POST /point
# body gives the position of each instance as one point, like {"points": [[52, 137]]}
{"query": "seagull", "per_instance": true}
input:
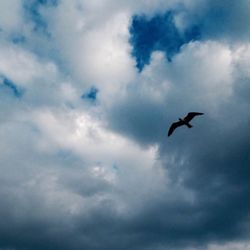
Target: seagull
{"points": [[184, 121]]}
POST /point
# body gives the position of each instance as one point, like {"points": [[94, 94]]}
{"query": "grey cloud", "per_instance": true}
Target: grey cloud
{"points": [[211, 160], [218, 19]]}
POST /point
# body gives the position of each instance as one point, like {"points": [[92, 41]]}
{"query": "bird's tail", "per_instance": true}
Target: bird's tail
{"points": [[189, 125]]}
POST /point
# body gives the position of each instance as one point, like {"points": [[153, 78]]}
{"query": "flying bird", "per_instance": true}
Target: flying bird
{"points": [[184, 121]]}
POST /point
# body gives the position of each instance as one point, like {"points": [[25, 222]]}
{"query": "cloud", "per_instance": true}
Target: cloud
{"points": [[11, 15], [149, 107], [206, 167], [62, 173], [102, 174], [220, 20]]}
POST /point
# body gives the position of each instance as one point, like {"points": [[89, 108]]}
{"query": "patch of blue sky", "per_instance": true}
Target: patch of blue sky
{"points": [[18, 38], [48, 2], [158, 33], [7, 84], [32, 9], [91, 94]]}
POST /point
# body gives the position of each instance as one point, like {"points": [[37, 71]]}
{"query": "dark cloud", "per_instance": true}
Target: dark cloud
{"points": [[219, 19], [210, 160], [227, 19], [140, 119], [213, 164], [216, 170]]}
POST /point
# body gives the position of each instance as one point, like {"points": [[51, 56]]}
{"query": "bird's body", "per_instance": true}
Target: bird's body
{"points": [[184, 121]]}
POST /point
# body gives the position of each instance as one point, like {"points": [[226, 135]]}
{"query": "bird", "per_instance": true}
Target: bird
{"points": [[184, 121]]}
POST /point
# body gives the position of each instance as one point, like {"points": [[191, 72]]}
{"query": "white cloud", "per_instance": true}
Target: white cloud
{"points": [[206, 73], [96, 51], [22, 66]]}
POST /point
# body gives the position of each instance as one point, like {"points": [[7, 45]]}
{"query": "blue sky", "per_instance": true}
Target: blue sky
{"points": [[88, 90], [158, 33]]}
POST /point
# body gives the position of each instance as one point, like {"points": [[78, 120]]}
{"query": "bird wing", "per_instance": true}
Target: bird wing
{"points": [[191, 115], [174, 126]]}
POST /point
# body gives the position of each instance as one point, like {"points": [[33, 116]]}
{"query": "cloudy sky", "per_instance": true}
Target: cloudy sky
{"points": [[88, 90]]}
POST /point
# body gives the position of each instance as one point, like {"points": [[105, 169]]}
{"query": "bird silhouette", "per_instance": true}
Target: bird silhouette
{"points": [[184, 121]]}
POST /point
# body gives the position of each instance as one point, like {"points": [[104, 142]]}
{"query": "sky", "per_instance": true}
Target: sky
{"points": [[88, 90]]}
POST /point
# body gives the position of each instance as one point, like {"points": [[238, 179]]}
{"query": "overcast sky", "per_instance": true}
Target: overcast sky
{"points": [[88, 90]]}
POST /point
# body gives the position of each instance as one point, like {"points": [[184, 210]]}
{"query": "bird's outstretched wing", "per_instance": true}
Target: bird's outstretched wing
{"points": [[174, 126], [191, 115]]}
